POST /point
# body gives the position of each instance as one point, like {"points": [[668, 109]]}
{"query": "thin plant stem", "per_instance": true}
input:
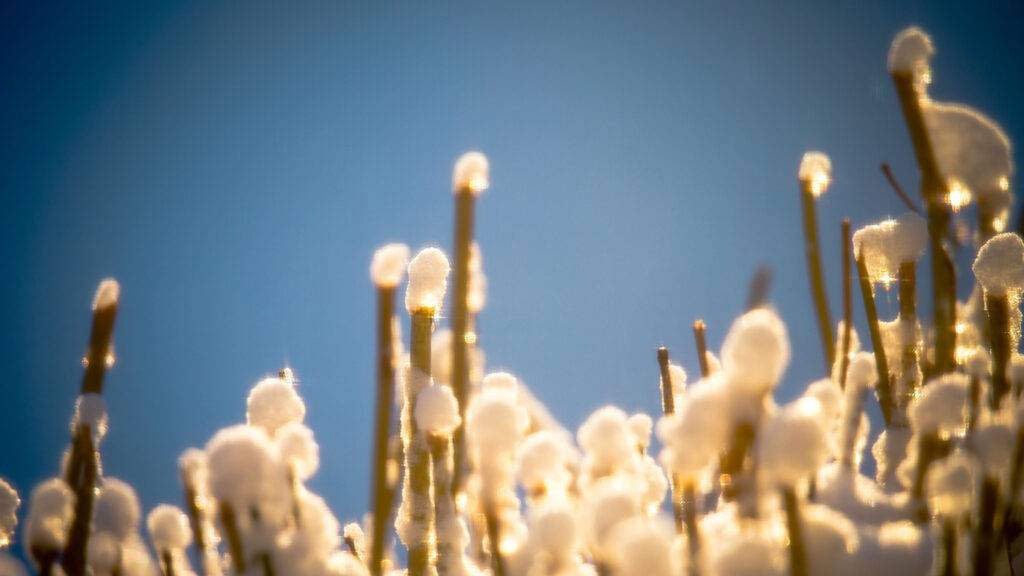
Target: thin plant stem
{"points": [[230, 525], [985, 528], [45, 558], [797, 549], [445, 514], [812, 251], [692, 530], [417, 453], [465, 201], [381, 495], [494, 536], [908, 317], [884, 386], [846, 456], [700, 338], [168, 563], [99, 347], [947, 549], [195, 519], [933, 190], [668, 406], [73, 558], [844, 353], [760, 288], [998, 308], [899, 189], [734, 484], [930, 449]]}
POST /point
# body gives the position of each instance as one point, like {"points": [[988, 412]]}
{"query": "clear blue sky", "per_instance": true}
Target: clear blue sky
{"points": [[234, 165]]}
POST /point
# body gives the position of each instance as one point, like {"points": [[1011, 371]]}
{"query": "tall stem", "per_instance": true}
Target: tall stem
{"points": [[998, 308], [73, 558], [380, 489], [884, 386], [464, 211], [930, 449], [797, 549], [983, 541], [700, 338], [167, 560], [417, 454], [947, 549], [692, 530], [446, 517], [844, 354], [933, 190], [230, 525], [814, 274], [908, 320], [668, 406], [195, 520]]}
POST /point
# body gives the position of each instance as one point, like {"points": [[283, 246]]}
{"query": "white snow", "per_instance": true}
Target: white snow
{"points": [[756, 350], [428, 280], [999, 266], [107, 294], [437, 410], [9, 503], [272, 403], [941, 408], [388, 265], [91, 409], [298, 449], [471, 173], [117, 509], [910, 51], [168, 528], [816, 168]]}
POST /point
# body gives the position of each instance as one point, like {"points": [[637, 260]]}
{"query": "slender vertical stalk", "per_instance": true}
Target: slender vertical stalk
{"points": [[195, 520], [947, 549], [73, 558], [445, 515], [933, 190], [844, 358], [381, 495], [227, 521], [699, 337], [45, 558], [760, 288], [983, 542], [494, 536], [465, 201], [797, 549], [692, 530], [930, 449], [998, 308], [167, 562], [908, 318], [814, 274], [417, 454], [668, 406], [733, 481], [884, 386], [99, 347]]}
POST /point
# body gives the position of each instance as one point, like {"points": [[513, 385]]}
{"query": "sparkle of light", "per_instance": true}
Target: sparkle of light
{"points": [[998, 224], [819, 183], [958, 196], [478, 183], [1004, 184]]}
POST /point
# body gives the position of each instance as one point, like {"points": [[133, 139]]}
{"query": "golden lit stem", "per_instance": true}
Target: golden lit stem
{"points": [[167, 560], [195, 519], [844, 354], [797, 549], [668, 406], [73, 558], [700, 338], [417, 454], [983, 542], [230, 525], [934, 191], [884, 386], [444, 504], [464, 211], [692, 529], [930, 449], [908, 317], [760, 288], [998, 308], [947, 561], [813, 253], [381, 496], [99, 348], [494, 537]]}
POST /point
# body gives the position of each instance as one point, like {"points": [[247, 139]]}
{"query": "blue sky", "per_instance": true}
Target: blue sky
{"points": [[234, 165]]}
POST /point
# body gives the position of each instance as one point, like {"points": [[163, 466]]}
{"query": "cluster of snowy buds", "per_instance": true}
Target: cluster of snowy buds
{"points": [[478, 478]]}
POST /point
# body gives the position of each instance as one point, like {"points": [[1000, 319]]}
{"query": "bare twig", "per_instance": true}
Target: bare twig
{"points": [[899, 189]]}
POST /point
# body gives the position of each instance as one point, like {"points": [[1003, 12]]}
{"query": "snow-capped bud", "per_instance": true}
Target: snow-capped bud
{"points": [[830, 539], [828, 395], [272, 403], [816, 171], [950, 485], [298, 449], [886, 245], [501, 381], [169, 528], [494, 422], [107, 294], [605, 505], [640, 547], [910, 52], [977, 362], [117, 509], [11, 566], [641, 426], [471, 173], [862, 371], [999, 266], [541, 461], [437, 410], [9, 503], [428, 280], [792, 444], [941, 408], [972, 153], [244, 468], [50, 511], [756, 350], [677, 375], [91, 409], [745, 553], [698, 431], [388, 265], [606, 438], [993, 444], [553, 527], [103, 554]]}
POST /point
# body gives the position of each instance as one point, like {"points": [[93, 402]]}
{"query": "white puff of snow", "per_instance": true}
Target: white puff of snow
{"points": [[117, 509], [971, 150], [677, 376], [437, 410], [471, 174], [993, 443], [910, 51], [169, 528], [608, 502], [320, 530], [606, 438], [103, 553], [792, 444], [640, 547], [476, 296], [245, 469], [441, 356], [756, 350], [977, 362], [50, 510], [192, 465], [830, 538], [862, 371], [11, 566], [816, 169], [894, 548], [9, 503], [886, 245], [388, 265], [746, 553], [272, 403], [298, 449], [641, 426], [553, 527], [950, 486], [494, 422], [428, 280], [344, 563], [829, 396], [501, 381], [941, 408], [91, 409], [999, 266], [697, 431], [107, 294], [135, 560], [541, 461]]}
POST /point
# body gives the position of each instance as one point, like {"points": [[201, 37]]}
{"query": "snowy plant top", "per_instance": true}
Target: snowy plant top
{"points": [[9, 503], [756, 350], [501, 381], [886, 245], [168, 528], [244, 469], [606, 438], [941, 408], [697, 431], [107, 294], [388, 265], [117, 509], [541, 461], [91, 410], [641, 426], [428, 280], [971, 150], [829, 396], [950, 484], [50, 509], [862, 371], [993, 443], [495, 423], [816, 169], [677, 376], [192, 464], [639, 547], [554, 528], [793, 444], [272, 403], [471, 173], [910, 52], [437, 410], [298, 449], [999, 266]]}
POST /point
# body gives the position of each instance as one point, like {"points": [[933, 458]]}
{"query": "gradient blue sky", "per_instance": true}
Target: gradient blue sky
{"points": [[234, 165]]}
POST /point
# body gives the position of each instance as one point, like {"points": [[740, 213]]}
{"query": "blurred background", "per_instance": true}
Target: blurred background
{"points": [[234, 165]]}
